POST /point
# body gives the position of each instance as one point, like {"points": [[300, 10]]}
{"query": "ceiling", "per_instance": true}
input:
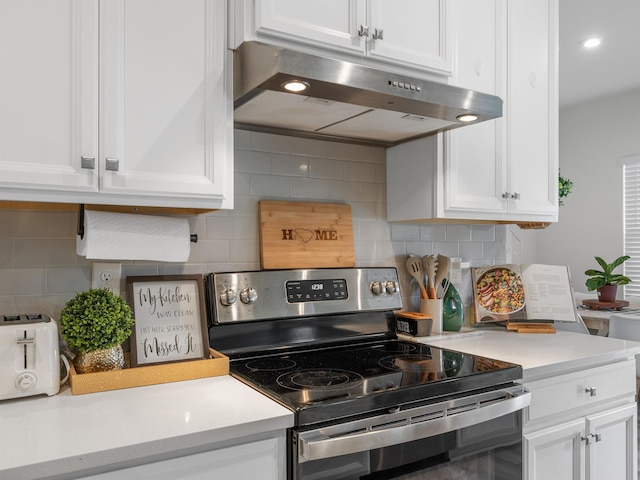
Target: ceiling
{"points": [[612, 67]]}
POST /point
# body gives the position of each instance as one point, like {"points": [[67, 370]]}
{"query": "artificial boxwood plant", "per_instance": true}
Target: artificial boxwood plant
{"points": [[94, 320]]}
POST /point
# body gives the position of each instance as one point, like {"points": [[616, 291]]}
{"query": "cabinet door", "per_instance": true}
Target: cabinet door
{"points": [[532, 107], [411, 32], [165, 121], [263, 459], [611, 453], [332, 23], [555, 452], [474, 164], [48, 97]]}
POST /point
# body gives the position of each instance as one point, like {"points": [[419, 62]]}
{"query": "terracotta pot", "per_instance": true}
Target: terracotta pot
{"points": [[607, 293]]}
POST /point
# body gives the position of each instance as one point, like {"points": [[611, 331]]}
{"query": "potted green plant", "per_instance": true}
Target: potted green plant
{"points": [[95, 323], [605, 281], [564, 188]]}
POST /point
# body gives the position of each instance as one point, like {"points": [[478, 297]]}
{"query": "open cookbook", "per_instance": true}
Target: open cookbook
{"points": [[523, 293]]}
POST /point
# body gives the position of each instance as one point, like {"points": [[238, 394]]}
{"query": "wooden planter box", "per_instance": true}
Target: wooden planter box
{"points": [[215, 366]]}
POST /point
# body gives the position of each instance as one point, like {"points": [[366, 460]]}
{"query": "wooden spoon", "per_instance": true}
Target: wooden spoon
{"points": [[444, 264], [430, 266], [414, 267]]}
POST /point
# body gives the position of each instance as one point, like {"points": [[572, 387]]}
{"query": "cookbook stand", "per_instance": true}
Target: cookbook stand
{"points": [[531, 327]]}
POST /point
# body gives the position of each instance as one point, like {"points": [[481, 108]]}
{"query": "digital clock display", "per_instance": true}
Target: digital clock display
{"points": [[299, 291]]}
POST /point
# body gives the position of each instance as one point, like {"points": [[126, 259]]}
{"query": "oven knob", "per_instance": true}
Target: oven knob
{"points": [[248, 295], [228, 297], [377, 288], [391, 287]]}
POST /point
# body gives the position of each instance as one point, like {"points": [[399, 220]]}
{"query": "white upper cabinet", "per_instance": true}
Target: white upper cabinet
{"points": [[118, 102], [504, 169], [48, 95], [411, 35]]}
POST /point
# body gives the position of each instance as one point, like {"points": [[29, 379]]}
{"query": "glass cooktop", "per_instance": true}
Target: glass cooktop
{"points": [[352, 379]]}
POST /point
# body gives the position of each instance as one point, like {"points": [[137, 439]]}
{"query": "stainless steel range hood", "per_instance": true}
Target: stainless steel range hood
{"points": [[346, 101]]}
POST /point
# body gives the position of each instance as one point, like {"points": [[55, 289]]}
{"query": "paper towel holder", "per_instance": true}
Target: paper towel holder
{"points": [[193, 237]]}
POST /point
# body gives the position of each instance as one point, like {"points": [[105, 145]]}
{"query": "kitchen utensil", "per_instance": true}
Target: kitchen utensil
{"points": [[430, 266], [414, 267], [444, 265]]}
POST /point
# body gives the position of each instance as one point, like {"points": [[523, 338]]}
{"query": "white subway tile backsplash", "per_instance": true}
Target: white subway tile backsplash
{"points": [[289, 165], [264, 142], [310, 188], [68, 279], [7, 254], [8, 305], [360, 172], [246, 250], [270, 185], [470, 249], [433, 233], [39, 270], [242, 140], [23, 281], [407, 232], [483, 233], [343, 191], [326, 168], [458, 233], [30, 252]]}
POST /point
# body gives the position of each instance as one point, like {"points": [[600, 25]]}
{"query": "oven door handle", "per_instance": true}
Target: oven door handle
{"points": [[315, 445]]}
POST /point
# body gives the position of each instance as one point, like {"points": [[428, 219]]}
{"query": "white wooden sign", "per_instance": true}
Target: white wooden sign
{"points": [[170, 322]]}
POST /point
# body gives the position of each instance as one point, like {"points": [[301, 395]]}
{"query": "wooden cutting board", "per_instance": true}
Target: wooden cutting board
{"points": [[305, 235]]}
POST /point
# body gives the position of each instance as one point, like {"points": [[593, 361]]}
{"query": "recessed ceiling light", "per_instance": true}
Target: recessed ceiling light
{"points": [[591, 42]]}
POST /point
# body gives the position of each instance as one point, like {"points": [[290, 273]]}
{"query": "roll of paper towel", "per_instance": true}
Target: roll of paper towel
{"points": [[124, 236]]}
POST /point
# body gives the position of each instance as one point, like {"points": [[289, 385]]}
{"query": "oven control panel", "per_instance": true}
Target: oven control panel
{"points": [[271, 294]]}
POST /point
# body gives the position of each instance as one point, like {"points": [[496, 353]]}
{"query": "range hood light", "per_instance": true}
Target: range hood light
{"points": [[467, 117], [295, 86]]}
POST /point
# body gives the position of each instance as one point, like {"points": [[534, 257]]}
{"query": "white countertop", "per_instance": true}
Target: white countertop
{"points": [[66, 433], [71, 433], [541, 355]]}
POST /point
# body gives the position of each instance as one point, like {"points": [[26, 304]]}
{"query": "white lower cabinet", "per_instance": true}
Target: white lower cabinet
{"points": [[583, 426], [263, 459]]}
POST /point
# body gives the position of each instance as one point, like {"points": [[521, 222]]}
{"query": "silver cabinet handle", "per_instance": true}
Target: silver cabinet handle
{"points": [[512, 196], [591, 391], [112, 164], [363, 31], [88, 162], [377, 34], [596, 437]]}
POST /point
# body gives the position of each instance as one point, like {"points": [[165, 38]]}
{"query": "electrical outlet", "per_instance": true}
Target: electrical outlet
{"points": [[106, 275]]}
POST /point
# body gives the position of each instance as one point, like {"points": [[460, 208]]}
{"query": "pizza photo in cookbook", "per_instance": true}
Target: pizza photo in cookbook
{"points": [[523, 293]]}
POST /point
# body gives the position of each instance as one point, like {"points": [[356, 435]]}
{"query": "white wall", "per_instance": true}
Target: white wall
{"points": [[593, 137], [40, 271]]}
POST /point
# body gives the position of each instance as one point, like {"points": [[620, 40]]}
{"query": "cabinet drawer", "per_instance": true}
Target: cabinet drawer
{"points": [[565, 393]]}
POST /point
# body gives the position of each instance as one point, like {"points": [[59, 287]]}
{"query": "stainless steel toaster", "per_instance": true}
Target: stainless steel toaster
{"points": [[29, 356]]}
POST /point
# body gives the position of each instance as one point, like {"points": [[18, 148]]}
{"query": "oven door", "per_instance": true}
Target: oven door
{"points": [[472, 437]]}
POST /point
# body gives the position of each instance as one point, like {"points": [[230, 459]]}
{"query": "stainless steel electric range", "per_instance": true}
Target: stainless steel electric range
{"points": [[366, 404]]}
